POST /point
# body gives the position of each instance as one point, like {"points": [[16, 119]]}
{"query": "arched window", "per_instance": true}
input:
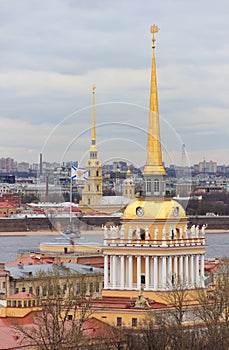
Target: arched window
{"points": [[97, 173]]}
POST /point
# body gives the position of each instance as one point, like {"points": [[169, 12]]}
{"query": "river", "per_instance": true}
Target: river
{"points": [[217, 244]]}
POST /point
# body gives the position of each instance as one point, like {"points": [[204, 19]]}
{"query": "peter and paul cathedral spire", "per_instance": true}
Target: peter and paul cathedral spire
{"points": [[93, 147], [92, 191], [154, 170]]}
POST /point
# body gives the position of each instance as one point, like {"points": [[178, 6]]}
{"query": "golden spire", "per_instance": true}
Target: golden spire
{"points": [[154, 155], [93, 134], [93, 147]]}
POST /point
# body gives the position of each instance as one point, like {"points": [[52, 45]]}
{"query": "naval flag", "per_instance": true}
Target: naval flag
{"points": [[79, 174]]}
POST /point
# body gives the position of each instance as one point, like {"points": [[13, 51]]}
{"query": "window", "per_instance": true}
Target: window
{"points": [[97, 188], [77, 287], [69, 317], [91, 288], [156, 185], [14, 303], [58, 289], [3, 285], [88, 187], [23, 289], [119, 321], [19, 304], [97, 287], [9, 303], [97, 173], [30, 290], [37, 291], [148, 185], [25, 303], [134, 322], [16, 290], [51, 290], [44, 292], [88, 201], [84, 288], [142, 279]]}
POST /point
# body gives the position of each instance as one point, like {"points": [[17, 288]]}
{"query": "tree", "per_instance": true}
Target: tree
{"points": [[64, 309], [213, 310]]}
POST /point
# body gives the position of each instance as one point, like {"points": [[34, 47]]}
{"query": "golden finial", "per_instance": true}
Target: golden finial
{"points": [[93, 89], [154, 29]]}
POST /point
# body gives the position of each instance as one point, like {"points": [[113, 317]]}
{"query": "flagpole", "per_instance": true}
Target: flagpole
{"points": [[71, 200]]}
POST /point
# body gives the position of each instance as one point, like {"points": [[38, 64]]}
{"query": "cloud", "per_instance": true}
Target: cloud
{"points": [[53, 51]]}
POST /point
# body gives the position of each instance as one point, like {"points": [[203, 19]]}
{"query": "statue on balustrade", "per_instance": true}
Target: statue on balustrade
{"points": [[147, 237], [130, 233]]}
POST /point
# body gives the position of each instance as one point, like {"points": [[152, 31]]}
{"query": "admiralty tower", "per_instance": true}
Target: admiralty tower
{"points": [[153, 249]]}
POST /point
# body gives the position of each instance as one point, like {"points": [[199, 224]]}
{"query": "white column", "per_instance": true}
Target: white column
{"points": [[175, 268], [111, 271], [122, 272], [192, 271], [138, 272], [169, 279], [114, 272], [155, 272], [186, 272], [163, 272], [197, 271], [105, 271], [181, 269], [130, 273], [202, 270], [147, 272], [151, 271]]}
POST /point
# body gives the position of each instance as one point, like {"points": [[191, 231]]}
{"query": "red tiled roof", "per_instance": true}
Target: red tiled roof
{"points": [[7, 205], [22, 295], [122, 303], [12, 339], [35, 260]]}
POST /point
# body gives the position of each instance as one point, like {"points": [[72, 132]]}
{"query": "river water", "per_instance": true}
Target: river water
{"points": [[217, 244]]}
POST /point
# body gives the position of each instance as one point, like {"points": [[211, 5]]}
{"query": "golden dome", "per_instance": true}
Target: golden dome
{"points": [[128, 173], [153, 209]]}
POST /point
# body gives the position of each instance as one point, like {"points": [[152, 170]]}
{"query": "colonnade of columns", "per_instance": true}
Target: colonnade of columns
{"points": [[153, 272]]}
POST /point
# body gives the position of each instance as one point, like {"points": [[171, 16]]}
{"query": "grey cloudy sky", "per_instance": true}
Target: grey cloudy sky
{"points": [[52, 52]]}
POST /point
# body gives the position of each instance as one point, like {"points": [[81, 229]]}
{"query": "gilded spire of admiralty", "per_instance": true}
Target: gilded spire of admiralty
{"points": [[154, 154]]}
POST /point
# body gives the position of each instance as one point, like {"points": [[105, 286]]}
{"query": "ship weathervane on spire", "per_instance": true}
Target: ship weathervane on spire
{"points": [[154, 29]]}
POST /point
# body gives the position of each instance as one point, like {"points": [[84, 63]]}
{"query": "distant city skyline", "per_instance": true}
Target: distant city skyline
{"points": [[10, 164], [53, 52]]}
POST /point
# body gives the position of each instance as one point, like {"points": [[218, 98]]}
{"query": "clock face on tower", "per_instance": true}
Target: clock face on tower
{"points": [[139, 211]]}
